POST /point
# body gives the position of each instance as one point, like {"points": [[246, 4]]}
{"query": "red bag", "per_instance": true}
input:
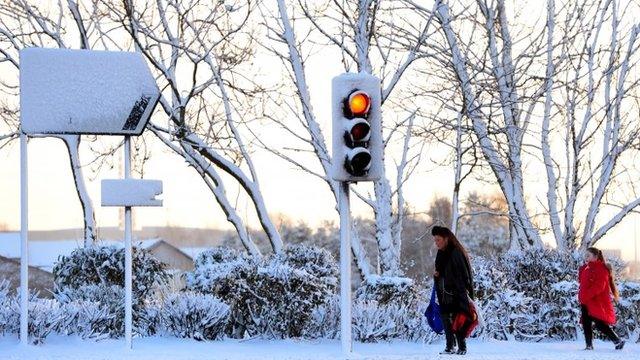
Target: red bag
{"points": [[463, 321]]}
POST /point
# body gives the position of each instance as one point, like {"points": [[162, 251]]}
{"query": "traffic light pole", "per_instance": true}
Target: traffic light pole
{"points": [[345, 269]]}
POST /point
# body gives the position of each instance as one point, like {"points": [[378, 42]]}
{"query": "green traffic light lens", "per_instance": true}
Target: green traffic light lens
{"points": [[359, 164]]}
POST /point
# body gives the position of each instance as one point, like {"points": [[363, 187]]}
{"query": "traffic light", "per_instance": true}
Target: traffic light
{"points": [[357, 131]]}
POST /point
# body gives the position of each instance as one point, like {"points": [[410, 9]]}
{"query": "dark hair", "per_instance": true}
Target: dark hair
{"points": [[452, 240], [612, 284]]}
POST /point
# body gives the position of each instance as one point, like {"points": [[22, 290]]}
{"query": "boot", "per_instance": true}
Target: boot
{"points": [[448, 331], [462, 344], [619, 345]]}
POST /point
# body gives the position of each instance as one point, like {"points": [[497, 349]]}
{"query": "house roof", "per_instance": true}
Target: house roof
{"points": [[43, 254]]}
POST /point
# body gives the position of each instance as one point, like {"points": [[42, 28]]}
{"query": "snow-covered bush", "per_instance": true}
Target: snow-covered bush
{"points": [[224, 273], [533, 295], [509, 315], [390, 308], [628, 311], [108, 297], [272, 297], [286, 293], [105, 265], [9, 318], [560, 313], [45, 316], [373, 321], [324, 322], [95, 275], [314, 260], [86, 319], [195, 316], [148, 319], [221, 271]]}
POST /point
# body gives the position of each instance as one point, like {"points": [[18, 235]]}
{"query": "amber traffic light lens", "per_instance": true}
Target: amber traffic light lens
{"points": [[359, 131], [359, 103]]}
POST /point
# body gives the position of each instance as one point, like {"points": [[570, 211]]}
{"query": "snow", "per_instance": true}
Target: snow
{"points": [[375, 280], [194, 251], [44, 253], [80, 91], [160, 348], [131, 192]]}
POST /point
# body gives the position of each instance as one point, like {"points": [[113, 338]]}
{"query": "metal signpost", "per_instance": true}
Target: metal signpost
{"points": [[86, 92], [357, 156]]}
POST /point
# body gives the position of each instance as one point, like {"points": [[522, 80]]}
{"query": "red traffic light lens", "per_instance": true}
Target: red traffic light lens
{"points": [[360, 132], [359, 103]]}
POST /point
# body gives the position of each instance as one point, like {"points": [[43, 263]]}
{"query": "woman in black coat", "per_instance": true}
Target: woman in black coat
{"points": [[454, 286]]}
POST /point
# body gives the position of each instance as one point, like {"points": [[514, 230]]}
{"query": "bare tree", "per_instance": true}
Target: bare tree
{"points": [[580, 104], [588, 101], [22, 25], [356, 31], [212, 44], [492, 88]]}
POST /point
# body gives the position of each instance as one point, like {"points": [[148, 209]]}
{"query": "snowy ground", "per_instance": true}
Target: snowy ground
{"points": [[59, 347]]}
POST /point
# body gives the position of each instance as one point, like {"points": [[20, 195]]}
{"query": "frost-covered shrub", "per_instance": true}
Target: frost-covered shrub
{"points": [[628, 311], [509, 315], [105, 265], [195, 316], [387, 289], [324, 322], [224, 273], [9, 317], [488, 279], [108, 297], [390, 308], [533, 295], [97, 311], [45, 316], [221, 271], [96, 275], [272, 297], [314, 260], [373, 321], [560, 313], [289, 287], [87, 319], [148, 319]]}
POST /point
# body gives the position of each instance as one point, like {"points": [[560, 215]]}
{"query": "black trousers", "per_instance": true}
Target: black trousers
{"points": [[454, 337], [587, 326]]}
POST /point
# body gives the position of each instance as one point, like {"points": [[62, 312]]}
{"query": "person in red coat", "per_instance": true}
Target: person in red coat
{"points": [[596, 287]]}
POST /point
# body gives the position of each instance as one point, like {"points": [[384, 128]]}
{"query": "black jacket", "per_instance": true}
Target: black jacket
{"points": [[454, 285]]}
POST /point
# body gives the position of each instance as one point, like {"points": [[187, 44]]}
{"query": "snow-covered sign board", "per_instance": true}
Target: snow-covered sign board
{"points": [[85, 92], [131, 192]]}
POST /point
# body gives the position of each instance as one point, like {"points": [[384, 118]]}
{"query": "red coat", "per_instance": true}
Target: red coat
{"points": [[595, 292]]}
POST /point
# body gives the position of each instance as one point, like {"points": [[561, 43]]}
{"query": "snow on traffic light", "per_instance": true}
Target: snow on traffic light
{"points": [[357, 132]]}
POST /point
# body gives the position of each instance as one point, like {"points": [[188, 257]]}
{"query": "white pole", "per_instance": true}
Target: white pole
{"points": [[127, 250], [24, 245], [345, 270]]}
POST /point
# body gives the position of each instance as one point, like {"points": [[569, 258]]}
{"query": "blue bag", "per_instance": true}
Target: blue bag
{"points": [[433, 313]]}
